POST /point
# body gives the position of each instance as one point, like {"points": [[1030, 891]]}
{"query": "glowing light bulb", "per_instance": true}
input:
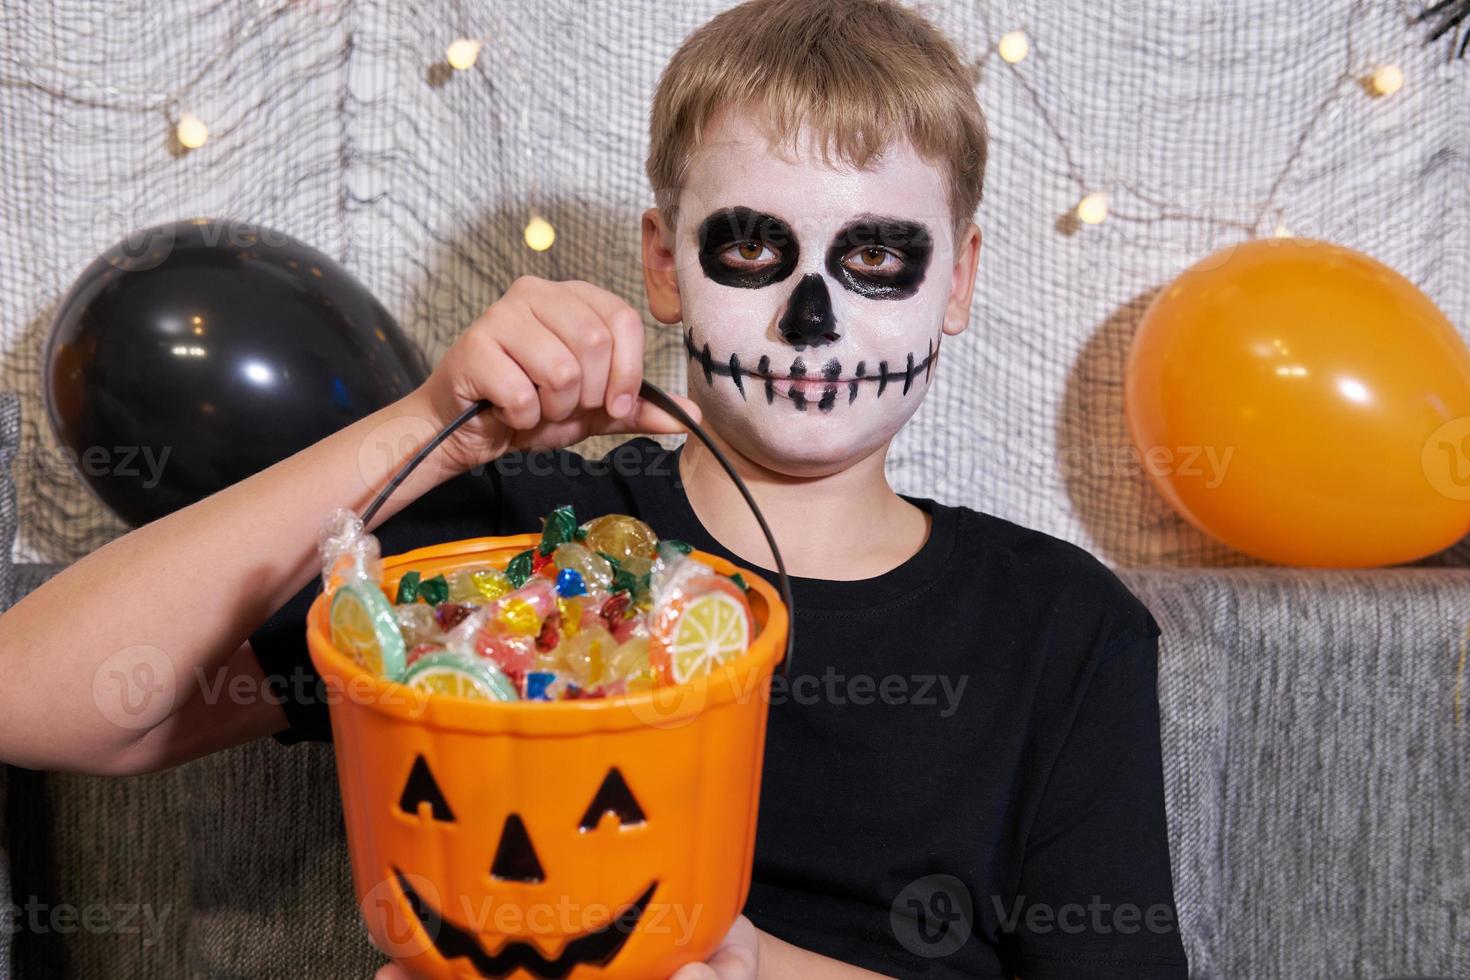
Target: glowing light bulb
{"points": [[1387, 79], [1014, 47], [1093, 209], [463, 53], [191, 131], [539, 234]]}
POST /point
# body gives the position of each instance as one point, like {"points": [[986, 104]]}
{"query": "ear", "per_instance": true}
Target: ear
{"points": [[962, 283], [659, 280]]}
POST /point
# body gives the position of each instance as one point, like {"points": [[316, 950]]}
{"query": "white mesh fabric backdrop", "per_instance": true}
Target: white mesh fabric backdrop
{"points": [[1209, 122]]}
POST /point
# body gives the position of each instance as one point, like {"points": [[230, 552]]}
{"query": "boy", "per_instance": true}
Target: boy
{"points": [[963, 772]]}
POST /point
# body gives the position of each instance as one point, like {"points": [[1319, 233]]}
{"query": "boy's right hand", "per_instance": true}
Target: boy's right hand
{"points": [[560, 361]]}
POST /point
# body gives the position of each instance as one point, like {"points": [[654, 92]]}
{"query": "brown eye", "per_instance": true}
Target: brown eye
{"points": [[872, 260], [744, 254]]}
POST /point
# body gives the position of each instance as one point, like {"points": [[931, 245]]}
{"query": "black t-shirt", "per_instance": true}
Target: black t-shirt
{"points": [[963, 770]]}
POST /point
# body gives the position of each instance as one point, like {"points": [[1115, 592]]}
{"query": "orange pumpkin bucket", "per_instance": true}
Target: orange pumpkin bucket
{"points": [[608, 837]]}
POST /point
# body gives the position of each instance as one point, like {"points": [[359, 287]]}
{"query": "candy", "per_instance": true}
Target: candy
{"points": [[569, 583], [584, 656], [462, 676], [519, 616], [620, 536], [700, 620], [491, 583], [417, 623], [593, 611], [538, 685], [513, 653], [364, 627], [595, 571], [434, 590], [450, 614], [408, 587]]}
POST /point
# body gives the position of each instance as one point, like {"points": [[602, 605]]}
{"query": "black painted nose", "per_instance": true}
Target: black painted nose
{"points": [[808, 320]]}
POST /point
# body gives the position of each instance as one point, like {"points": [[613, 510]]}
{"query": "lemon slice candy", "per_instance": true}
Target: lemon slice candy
{"points": [[460, 675], [706, 630], [365, 629]]}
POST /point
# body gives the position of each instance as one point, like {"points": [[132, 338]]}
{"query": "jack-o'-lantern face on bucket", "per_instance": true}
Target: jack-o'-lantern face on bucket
{"points": [[517, 860], [604, 839]]}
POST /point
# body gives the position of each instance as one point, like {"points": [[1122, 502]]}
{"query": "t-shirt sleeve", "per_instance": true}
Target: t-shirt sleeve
{"points": [[1096, 898], [464, 506]]}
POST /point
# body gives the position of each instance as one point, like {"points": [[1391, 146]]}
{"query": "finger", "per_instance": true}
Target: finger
{"points": [[579, 315], [626, 367], [733, 962], [649, 418], [539, 351], [694, 971], [392, 972], [494, 375]]}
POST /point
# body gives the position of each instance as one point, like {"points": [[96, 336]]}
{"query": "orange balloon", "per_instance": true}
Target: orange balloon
{"points": [[1305, 404]]}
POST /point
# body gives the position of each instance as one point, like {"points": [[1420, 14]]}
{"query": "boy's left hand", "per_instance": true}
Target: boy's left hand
{"points": [[737, 958]]}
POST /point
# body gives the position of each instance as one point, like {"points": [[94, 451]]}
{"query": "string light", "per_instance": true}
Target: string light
{"points": [[539, 234], [463, 53], [1387, 79], [1014, 47], [1282, 231], [191, 131], [1093, 209]]}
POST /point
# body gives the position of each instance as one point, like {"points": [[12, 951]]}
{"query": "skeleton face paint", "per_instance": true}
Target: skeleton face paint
{"points": [[813, 295]]}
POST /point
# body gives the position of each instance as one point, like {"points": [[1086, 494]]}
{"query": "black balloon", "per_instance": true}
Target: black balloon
{"points": [[195, 354]]}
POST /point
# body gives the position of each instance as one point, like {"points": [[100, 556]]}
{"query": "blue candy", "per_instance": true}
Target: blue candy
{"points": [[538, 684], [569, 583]]}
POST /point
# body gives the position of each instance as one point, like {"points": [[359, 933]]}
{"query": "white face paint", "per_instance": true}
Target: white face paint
{"points": [[812, 315]]}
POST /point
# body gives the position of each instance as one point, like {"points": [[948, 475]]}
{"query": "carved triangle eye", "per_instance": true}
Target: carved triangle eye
{"points": [[421, 788], [616, 798]]}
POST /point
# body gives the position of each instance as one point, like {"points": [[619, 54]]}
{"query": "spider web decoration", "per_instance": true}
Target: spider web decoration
{"points": [[1454, 12]]}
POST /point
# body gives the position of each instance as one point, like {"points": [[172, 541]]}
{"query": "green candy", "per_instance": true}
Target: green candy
{"points": [[519, 569], [738, 580], [408, 587], [434, 590], [559, 528], [683, 546]]}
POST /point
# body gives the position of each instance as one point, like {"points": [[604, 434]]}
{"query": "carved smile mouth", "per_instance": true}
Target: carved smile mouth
{"points": [[801, 384], [597, 947]]}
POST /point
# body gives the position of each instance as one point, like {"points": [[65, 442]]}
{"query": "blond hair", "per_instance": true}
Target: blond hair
{"points": [[857, 72]]}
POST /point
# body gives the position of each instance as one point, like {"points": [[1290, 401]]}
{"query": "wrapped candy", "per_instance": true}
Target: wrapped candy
{"points": [[594, 610]]}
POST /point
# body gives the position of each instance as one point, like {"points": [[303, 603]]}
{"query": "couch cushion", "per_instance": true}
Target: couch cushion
{"points": [[1317, 756]]}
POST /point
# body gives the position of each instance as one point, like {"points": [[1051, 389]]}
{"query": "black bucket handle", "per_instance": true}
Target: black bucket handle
{"points": [[649, 392]]}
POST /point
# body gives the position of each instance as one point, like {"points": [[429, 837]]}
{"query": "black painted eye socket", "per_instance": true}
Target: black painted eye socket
{"points": [[421, 788], [614, 797]]}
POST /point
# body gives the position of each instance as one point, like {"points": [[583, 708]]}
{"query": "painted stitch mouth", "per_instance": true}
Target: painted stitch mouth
{"points": [[799, 383]]}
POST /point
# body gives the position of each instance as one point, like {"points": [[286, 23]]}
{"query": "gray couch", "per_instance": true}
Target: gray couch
{"points": [[1318, 785]]}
